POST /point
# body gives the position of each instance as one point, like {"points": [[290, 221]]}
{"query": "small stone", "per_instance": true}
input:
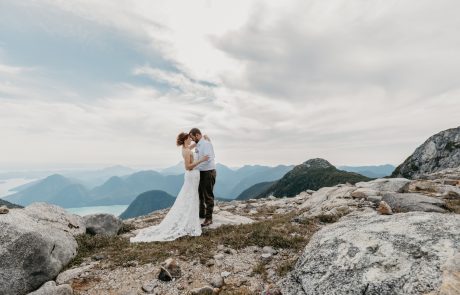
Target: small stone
{"points": [[266, 256], [106, 224], [149, 287], [67, 276], [181, 286], [172, 267], [220, 247], [219, 256], [280, 211], [225, 274], [384, 208], [210, 262], [130, 264], [202, 291], [217, 282], [358, 195], [4, 210], [98, 257], [164, 275], [268, 249]]}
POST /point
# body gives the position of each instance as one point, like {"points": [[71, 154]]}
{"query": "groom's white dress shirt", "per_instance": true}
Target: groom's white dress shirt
{"points": [[205, 148]]}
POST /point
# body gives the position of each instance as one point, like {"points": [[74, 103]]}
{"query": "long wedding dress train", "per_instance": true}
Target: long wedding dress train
{"points": [[182, 219]]}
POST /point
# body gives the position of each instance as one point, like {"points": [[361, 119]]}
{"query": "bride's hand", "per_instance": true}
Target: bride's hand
{"points": [[205, 158]]}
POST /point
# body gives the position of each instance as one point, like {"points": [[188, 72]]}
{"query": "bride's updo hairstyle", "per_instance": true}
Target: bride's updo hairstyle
{"points": [[181, 138]]}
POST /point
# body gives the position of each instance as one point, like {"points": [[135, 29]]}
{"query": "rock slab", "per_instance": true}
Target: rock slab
{"points": [[31, 253], [406, 253], [55, 216]]}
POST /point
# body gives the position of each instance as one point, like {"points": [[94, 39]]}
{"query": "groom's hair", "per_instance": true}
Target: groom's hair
{"points": [[195, 131]]}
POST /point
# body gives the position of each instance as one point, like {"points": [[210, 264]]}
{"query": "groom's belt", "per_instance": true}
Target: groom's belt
{"points": [[208, 170]]}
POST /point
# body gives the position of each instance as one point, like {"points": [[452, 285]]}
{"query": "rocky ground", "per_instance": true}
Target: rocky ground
{"points": [[387, 236], [230, 257], [255, 265]]}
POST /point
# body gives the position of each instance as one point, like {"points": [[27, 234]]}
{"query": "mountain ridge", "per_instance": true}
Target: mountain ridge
{"points": [[311, 174]]}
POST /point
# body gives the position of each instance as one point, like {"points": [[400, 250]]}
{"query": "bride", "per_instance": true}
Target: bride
{"points": [[182, 219]]}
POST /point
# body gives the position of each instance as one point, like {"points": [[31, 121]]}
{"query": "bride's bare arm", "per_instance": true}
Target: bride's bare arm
{"points": [[188, 160]]}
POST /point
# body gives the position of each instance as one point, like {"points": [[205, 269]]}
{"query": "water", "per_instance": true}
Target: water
{"points": [[113, 209], [7, 184]]}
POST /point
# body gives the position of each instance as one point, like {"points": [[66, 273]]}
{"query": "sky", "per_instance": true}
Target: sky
{"points": [[97, 83]]}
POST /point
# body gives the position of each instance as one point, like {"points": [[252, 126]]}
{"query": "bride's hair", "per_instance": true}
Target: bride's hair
{"points": [[181, 138]]}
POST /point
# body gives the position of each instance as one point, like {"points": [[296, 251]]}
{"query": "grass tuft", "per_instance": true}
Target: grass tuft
{"points": [[285, 267]]}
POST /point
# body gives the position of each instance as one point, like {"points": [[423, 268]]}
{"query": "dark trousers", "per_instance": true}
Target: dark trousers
{"points": [[205, 190]]}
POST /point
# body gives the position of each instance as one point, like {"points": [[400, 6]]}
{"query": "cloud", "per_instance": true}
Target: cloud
{"points": [[80, 51], [113, 82], [315, 50]]}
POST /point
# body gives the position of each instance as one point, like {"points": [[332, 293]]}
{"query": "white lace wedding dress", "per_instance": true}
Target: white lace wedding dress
{"points": [[182, 219]]}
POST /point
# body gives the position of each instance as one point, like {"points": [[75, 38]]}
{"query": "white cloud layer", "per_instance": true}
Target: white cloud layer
{"points": [[355, 82]]}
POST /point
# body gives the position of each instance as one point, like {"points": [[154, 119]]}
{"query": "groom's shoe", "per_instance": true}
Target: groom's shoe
{"points": [[207, 222]]}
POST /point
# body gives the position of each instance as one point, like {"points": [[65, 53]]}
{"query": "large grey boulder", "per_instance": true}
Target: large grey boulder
{"points": [[104, 224], [407, 253], [438, 152], [413, 202], [30, 252], [50, 288], [55, 216]]}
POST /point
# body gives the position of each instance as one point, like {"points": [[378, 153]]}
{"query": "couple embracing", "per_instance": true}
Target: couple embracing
{"points": [[195, 200]]}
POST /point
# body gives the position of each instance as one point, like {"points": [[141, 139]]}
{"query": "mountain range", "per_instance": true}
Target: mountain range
{"points": [[72, 192], [87, 177], [80, 188]]}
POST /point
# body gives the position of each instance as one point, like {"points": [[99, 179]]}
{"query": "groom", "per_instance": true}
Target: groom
{"points": [[207, 175]]}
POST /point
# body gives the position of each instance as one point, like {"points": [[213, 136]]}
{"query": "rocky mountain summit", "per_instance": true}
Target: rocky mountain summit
{"points": [[439, 152], [385, 236], [312, 174]]}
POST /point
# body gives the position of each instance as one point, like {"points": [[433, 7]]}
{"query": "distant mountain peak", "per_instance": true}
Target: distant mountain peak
{"points": [[55, 177], [317, 163], [312, 174]]}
